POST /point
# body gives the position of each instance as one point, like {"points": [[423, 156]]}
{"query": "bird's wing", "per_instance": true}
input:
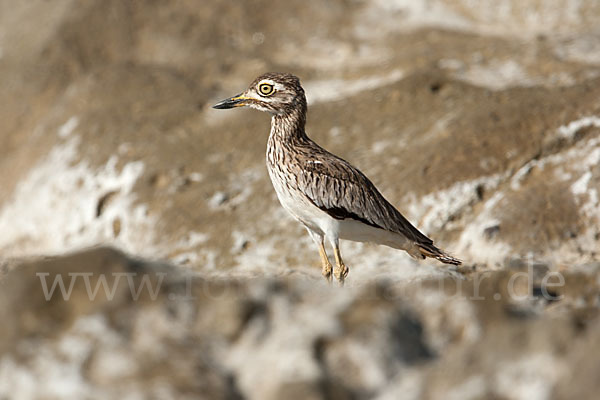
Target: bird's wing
{"points": [[342, 191]]}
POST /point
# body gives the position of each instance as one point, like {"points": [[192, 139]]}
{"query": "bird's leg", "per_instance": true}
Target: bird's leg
{"points": [[327, 268], [326, 265], [340, 271]]}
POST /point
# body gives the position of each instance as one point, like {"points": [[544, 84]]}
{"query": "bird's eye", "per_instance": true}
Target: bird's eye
{"points": [[265, 89]]}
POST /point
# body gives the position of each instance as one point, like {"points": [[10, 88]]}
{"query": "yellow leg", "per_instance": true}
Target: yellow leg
{"points": [[327, 268], [340, 271]]}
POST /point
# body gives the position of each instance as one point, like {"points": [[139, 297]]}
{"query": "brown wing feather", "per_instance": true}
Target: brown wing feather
{"points": [[341, 190]]}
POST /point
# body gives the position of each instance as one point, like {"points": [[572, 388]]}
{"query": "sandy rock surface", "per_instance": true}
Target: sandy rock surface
{"points": [[479, 120], [120, 327]]}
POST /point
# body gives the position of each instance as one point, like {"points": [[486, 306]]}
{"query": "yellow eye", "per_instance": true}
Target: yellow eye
{"points": [[266, 89]]}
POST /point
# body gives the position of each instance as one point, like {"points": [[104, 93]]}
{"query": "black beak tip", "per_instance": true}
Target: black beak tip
{"points": [[235, 101], [222, 105]]}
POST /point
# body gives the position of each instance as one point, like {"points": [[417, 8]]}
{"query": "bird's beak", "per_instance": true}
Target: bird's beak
{"points": [[236, 101]]}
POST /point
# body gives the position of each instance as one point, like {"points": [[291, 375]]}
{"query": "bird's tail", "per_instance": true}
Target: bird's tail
{"points": [[429, 250]]}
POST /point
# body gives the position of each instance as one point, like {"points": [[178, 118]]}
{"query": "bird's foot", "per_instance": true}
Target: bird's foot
{"points": [[327, 272], [341, 272]]}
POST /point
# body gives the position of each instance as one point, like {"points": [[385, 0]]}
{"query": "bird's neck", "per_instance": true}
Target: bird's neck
{"points": [[289, 127]]}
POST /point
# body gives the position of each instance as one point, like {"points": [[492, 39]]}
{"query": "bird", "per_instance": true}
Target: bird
{"points": [[332, 199]]}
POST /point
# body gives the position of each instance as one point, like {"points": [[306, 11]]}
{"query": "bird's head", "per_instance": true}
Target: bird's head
{"points": [[275, 93]]}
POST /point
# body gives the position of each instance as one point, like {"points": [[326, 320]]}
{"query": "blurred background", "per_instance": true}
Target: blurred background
{"points": [[479, 120]]}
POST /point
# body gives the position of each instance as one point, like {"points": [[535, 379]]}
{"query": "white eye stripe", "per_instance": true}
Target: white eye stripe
{"points": [[276, 85], [257, 96], [267, 81]]}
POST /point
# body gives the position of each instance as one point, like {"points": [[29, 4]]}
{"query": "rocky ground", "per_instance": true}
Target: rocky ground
{"points": [[480, 121]]}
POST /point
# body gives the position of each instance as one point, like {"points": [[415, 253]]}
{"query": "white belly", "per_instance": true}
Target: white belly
{"points": [[299, 206], [350, 229]]}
